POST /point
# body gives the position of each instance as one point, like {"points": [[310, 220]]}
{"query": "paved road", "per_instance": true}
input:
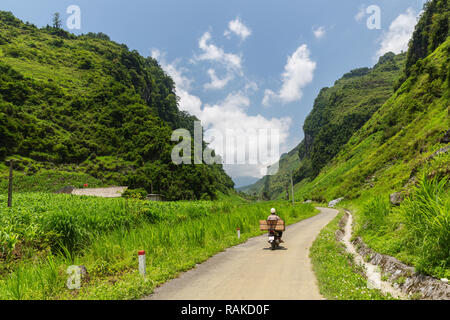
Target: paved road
{"points": [[253, 271]]}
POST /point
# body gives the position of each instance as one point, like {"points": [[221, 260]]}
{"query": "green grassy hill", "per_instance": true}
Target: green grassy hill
{"points": [[397, 141], [88, 105], [376, 127]]}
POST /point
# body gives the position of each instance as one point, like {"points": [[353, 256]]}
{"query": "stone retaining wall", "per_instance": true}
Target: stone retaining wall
{"points": [[402, 276]]}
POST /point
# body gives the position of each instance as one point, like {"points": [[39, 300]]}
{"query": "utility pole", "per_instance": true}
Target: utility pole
{"points": [[292, 190], [287, 191], [10, 183]]}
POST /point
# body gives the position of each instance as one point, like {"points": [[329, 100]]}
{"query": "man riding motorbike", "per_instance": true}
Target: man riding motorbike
{"points": [[274, 216]]}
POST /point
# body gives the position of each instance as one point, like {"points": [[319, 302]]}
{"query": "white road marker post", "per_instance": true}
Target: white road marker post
{"points": [[142, 267], [239, 232]]}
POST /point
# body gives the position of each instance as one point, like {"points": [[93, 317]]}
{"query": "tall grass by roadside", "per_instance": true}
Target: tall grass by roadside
{"points": [[375, 213], [418, 231], [39, 220], [175, 235], [427, 218]]}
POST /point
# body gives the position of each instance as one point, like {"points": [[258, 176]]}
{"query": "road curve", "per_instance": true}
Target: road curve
{"points": [[251, 271]]}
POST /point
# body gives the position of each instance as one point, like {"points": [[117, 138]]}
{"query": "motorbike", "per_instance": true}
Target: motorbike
{"points": [[274, 239], [275, 229]]}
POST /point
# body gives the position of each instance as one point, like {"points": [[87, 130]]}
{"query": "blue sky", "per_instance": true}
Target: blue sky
{"points": [[244, 63]]}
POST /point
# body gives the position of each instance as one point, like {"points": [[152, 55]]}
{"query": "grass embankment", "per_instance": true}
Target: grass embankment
{"points": [[43, 234], [49, 180], [417, 232], [338, 276]]}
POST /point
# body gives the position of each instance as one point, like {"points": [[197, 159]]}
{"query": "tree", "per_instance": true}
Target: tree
{"points": [[56, 21]]}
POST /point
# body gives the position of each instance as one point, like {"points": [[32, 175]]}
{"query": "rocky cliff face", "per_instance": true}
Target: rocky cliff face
{"points": [[339, 111]]}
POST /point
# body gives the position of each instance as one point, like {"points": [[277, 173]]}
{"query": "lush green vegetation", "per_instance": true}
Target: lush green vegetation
{"points": [[397, 141], [89, 105], [43, 234], [418, 231], [77, 110], [48, 180], [431, 31], [338, 275], [364, 99], [341, 110]]}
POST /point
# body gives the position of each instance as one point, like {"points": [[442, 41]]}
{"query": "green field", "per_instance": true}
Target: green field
{"points": [[43, 234]]}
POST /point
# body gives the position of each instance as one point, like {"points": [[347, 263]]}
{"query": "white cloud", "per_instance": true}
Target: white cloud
{"points": [[213, 53], [231, 113], [230, 61], [156, 54], [217, 83], [298, 72], [361, 13], [397, 37], [268, 96], [319, 32], [238, 28], [251, 86]]}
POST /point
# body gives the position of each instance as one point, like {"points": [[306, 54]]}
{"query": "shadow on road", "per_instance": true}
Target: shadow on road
{"points": [[279, 248]]}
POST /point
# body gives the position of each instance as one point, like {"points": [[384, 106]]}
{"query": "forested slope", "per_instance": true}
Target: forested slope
{"points": [[86, 104]]}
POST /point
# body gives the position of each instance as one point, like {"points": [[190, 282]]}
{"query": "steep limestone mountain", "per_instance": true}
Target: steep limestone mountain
{"points": [[343, 114], [409, 133], [338, 112], [341, 110], [397, 141], [394, 172]]}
